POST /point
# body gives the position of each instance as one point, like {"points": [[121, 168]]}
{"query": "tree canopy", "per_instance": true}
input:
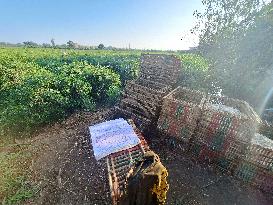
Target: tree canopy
{"points": [[236, 36]]}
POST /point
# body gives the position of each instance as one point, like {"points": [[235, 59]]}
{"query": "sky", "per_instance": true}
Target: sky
{"points": [[144, 24]]}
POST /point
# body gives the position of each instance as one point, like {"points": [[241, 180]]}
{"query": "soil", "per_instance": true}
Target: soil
{"points": [[68, 174]]}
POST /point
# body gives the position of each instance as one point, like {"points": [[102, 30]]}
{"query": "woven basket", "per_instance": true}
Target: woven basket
{"points": [[225, 130], [256, 176], [160, 68], [260, 155], [180, 111]]}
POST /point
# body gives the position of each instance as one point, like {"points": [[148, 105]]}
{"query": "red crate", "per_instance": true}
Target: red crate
{"points": [[180, 112], [203, 153], [217, 120], [227, 165], [235, 150]]}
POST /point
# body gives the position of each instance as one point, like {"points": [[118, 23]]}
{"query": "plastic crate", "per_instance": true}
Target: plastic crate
{"points": [[144, 87], [264, 181], [246, 172], [222, 113], [203, 153], [226, 159], [235, 150], [180, 111], [142, 100], [255, 176]]}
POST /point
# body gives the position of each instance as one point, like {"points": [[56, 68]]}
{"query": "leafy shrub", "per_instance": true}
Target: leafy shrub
{"points": [[126, 66], [32, 95]]}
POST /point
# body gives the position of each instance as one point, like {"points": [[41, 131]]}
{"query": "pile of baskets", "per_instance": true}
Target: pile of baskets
{"points": [[142, 98], [224, 131], [219, 130]]}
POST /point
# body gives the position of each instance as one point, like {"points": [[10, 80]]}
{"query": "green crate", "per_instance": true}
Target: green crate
{"points": [[246, 171]]}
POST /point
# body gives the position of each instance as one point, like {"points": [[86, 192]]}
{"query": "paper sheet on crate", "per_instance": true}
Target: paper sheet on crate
{"points": [[112, 136]]}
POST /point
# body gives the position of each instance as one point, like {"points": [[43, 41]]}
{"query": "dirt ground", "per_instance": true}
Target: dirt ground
{"points": [[68, 174]]}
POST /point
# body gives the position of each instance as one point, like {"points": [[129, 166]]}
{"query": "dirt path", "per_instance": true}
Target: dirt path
{"points": [[67, 172]]}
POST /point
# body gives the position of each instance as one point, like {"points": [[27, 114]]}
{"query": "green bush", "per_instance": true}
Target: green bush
{"points": [[32, 95], [40, 86]]}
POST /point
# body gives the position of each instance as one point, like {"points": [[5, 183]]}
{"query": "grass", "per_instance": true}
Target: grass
{"points": [[14, 168]]}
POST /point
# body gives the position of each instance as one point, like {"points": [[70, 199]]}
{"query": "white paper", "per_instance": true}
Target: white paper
{"points": [[112, 136]]}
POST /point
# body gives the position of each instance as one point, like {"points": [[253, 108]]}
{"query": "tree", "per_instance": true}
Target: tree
{"points": [[101, 46], [224, 19], [52, 42], [46, 45], [71, 44], [235, 37], [30, 44]]}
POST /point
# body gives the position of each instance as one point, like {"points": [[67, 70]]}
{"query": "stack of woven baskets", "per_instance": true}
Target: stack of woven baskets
{"points": [[225, 128], [142, 98], [222, 131]]}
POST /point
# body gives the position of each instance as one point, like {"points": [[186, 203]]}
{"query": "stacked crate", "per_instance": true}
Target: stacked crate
{"points": [[160, 68], [119, 164], [180, 113], [224, 131], [142, 98], [257, 165]]}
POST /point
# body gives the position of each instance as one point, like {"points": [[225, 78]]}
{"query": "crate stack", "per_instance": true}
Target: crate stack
{"points": [[142, 98], [257, 165], [224, 131], [119, 164], [180, 113], [160, 68]]}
